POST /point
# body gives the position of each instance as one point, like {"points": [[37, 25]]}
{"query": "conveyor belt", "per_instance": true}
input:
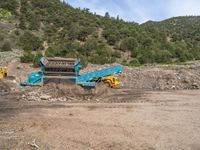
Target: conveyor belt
{"points": [[86, 78]]}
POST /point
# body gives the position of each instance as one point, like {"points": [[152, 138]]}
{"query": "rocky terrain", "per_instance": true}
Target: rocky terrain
{"points": [[133, 80], [155, 107]]}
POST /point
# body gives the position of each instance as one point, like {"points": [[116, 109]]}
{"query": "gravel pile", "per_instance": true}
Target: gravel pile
{"points": [[177, 77], [162, 78], [59, 92]]}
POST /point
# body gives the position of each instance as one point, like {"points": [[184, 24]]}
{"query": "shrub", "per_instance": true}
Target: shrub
{"points": [[116, 54], [34, 24], [50, 52], [129, 43], [146, 56], [4, 14], [6, 47], [27, 57], [134, 62], [163, 56], [30, 42], [84, 61], [10, 5]]}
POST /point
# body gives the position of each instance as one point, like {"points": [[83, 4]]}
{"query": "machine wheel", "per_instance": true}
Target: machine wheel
{"points": [[5, 75], [107, 84]]}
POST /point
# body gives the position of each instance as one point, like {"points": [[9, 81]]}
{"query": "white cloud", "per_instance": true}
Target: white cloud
{"points": [[184, 7], [137, 11], [141, 10]]}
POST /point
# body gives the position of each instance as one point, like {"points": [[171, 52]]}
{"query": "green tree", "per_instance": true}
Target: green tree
{"points": [[147, 42], [146, 56], [83, 33], [107, 15], [50, 52], [129, 43], [6, 47], [73, 32], [163, 56], [10, 5], [4, 14], [22, 22], [134, 62], [30, 42], [27, 57], [34, 24], [112, 36]]}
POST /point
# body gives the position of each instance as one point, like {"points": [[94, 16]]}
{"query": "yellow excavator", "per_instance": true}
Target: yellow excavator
{"points": [[110, 81], [3, 72]]}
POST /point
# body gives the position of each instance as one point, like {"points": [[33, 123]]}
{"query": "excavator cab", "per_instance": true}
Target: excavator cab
{"points": [[3, 72]]}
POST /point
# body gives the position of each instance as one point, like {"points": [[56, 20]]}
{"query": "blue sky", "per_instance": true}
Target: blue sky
{"points": [[140, 10]]}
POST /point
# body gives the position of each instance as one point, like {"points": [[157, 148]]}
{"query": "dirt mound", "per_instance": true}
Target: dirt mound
{"points": [[61, 90], [158, 77], [175, 78], [77, 94], [65, 92]]}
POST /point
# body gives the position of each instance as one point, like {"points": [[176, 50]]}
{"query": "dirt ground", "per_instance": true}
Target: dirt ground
{"points": [[153, 120], [155, 108]]}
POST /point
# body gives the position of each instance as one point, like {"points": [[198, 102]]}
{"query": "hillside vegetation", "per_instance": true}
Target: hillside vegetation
{"points": [[53, 28]]}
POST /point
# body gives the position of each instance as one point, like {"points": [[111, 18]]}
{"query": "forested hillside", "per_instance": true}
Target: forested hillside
{"points": [[53, 28]]}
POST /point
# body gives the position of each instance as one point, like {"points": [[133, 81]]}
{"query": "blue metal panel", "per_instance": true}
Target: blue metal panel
{"points": [[77, 67], [84, 78], [42, 64], [35, 78]]}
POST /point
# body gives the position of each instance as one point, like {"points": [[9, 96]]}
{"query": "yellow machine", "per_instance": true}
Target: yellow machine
{"points": [[111, 81], [3, 72]]}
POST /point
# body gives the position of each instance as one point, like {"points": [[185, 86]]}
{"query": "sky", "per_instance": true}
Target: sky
{"points": [[140, 10]]}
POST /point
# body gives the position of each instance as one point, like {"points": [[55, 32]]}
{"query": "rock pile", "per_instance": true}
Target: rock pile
{"points": [[172, 77], [161, 78], [59, 92]]}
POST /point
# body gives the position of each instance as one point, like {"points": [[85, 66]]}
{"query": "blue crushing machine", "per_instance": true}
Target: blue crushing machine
{"points": [[61, 70]]}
